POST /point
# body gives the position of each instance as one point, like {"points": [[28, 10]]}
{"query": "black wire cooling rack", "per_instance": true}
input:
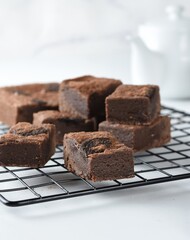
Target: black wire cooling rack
{"points": [[24, 186]]}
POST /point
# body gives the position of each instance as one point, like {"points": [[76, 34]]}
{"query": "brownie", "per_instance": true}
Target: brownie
{"points": [[27, 145], [97, 156], [140, 137], [85, 96], [18, 103], [133, 104], [64, 123]]}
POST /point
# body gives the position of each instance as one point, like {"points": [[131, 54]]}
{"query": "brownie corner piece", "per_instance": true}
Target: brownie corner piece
{"points": [[27, 145], [85, 96], [137, 104], [97, 156]]}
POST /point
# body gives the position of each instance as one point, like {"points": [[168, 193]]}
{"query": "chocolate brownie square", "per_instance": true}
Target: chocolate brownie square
{"points": [[64, 123], [140, 137], [97, 156], [27, 145], [85, 96], [18, 103], [133, 104]]}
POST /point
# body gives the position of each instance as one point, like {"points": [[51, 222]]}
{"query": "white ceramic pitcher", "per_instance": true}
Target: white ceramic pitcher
{"points": [[160, 54]]}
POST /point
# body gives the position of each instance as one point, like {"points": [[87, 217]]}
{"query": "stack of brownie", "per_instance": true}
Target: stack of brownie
{"points": [[133, 117], [81, 105]]}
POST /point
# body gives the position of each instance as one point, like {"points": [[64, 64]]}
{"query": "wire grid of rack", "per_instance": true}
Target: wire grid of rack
{"points": [[24, 186]]}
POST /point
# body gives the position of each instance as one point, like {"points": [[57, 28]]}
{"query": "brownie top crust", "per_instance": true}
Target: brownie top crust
{"points": [[27, 129], [94, 142], [23, 130], [89, 84], [32, 94], [133, 91]]}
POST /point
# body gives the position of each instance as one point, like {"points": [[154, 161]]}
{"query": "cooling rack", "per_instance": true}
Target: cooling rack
{"points": [[24, 186]]}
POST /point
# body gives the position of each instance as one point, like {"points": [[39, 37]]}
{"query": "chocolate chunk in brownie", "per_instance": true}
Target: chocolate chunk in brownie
{"points": [[64, 123], [133, 104], [85, 96], [97, 156], [18, 103], [27, 145], [140, 137]]}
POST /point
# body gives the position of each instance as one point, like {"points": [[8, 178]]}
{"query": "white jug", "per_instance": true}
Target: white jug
{"points": [[160, 54]]}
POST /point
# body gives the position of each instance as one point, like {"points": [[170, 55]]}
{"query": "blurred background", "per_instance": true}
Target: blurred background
{"points": [[48, 40]]}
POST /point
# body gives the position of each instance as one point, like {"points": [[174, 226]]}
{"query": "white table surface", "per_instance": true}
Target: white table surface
{"points": [[159, 211]]}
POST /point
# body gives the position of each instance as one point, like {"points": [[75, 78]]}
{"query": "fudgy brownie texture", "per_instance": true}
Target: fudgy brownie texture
{"points": [[140, 137], [64, 123], [18, 103], [133, 104], [27, 145], [85, 96], [97, 156]]}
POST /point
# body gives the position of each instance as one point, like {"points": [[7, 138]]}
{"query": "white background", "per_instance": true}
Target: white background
{"points": [[47, 40]]}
